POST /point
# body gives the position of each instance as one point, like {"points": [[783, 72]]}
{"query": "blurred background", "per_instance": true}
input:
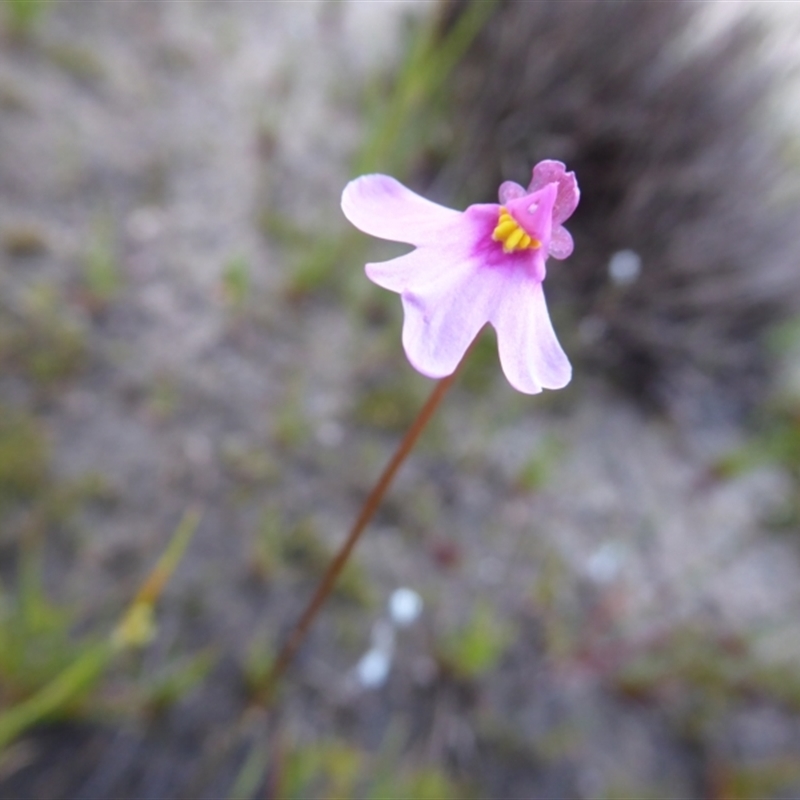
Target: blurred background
{"points": [[590, 593]]}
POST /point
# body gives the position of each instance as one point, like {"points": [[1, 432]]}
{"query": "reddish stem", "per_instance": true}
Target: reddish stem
{"points": [[368, 510]]}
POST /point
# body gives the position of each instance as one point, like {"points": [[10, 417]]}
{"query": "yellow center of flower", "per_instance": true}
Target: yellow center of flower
{"points": [[512, 235]]}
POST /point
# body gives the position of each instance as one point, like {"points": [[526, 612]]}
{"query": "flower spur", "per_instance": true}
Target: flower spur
{"points": [[485, 264]]}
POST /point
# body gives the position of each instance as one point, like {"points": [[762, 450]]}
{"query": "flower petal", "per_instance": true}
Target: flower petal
{"points": [[561, 244], [465, 238], [510, 191], [383, 207], [414, 269], [443, 316], [450, 292], [530, 355], [550, 171]]}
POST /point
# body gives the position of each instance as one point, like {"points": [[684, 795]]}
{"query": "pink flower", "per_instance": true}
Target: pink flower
{"points": [[485, 264]]}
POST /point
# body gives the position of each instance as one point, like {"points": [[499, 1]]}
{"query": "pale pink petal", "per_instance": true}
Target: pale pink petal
{"points": [[442, 319], [510, 191], [467, 237], [383, 207], [568, 193], [447, 303], [414, 269], [530, 355], [561, 244]]}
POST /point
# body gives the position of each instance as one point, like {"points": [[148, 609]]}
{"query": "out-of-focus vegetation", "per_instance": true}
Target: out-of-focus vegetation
{"points": [[774, 440], [476, 648], [42, 337], [21, 16], [332, 768], [101, 277], [46, 674]]}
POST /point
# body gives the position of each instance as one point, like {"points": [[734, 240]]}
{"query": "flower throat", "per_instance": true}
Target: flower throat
{"points": [[512, 235]]}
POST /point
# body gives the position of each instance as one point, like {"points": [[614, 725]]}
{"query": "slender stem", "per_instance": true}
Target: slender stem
{"points": [[367, 511]]}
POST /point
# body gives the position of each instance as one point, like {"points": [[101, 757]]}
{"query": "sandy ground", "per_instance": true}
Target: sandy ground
{"points": [[171, 129]]}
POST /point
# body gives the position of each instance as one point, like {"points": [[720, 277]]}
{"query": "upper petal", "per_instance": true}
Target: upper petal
{"points": [[530, 355], [510, 191], [550, 171], [381, 206]]}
